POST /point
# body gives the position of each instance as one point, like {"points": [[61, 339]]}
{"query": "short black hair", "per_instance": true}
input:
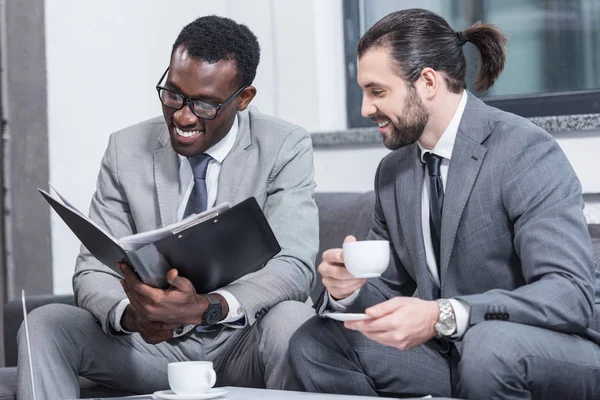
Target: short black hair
{"points": [[214, 38]]}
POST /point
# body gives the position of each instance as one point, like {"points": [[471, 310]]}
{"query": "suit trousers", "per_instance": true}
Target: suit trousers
{"points": [[66, 342], [499, 360]]}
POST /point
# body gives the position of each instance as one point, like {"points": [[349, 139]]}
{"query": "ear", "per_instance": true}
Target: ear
{"points": [[246, 97], [430, 82]]}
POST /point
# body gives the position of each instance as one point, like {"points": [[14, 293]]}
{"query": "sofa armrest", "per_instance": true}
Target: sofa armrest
{"points": [[13, 318]]}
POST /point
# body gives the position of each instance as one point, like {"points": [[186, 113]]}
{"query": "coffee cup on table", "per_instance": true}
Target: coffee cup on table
{"points": [[366, 258], [191, 377]]}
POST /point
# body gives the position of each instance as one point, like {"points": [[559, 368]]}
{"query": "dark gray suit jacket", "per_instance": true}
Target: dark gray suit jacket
{"points": [[514, 243], [137, 190]]}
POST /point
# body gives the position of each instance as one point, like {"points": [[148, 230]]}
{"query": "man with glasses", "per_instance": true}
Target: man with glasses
{"points": [[209, 148]]}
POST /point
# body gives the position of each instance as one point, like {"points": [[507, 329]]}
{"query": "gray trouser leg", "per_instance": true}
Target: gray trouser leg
{"points": [[329, 358], [66, 342], [257, 356], [503, 360]]}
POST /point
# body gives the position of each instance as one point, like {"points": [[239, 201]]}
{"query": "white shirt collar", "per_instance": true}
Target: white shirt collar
{"points": [[222, 148], [445, 144]]}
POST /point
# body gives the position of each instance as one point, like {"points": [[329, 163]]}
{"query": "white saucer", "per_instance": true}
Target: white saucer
{"points": [[346, 316], [170, 395]]}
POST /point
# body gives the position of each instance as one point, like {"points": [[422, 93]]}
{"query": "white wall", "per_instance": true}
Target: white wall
{"points": [[104, 59]]}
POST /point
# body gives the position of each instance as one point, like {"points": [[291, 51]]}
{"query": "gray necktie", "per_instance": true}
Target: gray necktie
{"points": [[198, 198]]}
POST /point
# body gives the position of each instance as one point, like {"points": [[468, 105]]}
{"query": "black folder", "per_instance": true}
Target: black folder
{"points": [[211, 252]]}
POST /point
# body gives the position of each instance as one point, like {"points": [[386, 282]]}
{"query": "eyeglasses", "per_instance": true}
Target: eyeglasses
{"points": [[201, 109]]}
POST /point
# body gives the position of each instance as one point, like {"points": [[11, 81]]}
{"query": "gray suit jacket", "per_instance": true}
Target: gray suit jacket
{"points": [[137, 190], [514, 243]]}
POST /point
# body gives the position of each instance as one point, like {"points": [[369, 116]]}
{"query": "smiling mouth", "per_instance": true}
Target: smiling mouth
{"points": [[382, 124], [187, 134]]}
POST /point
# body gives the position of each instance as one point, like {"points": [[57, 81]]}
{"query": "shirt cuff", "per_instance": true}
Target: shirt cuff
{"points": [[236, 312], [343, 304], [117, 315], [462, 312]]}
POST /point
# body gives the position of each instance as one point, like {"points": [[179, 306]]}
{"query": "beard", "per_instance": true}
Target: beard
{"points": [[410, 128]]}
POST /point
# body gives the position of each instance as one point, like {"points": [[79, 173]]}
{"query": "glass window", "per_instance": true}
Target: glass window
{"points": [[553, 44]]}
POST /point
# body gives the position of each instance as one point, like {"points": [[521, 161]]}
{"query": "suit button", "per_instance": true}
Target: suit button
{"points": [[505, 316], [260, 313], [487, 316]]}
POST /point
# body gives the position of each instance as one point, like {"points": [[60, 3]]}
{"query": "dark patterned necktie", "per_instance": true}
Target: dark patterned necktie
{"points": [[198, 198], [436, 202]]}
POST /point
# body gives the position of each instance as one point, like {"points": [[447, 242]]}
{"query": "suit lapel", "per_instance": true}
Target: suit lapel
{"points": [[467, 158], [234, 165], [409, 186], [166, 178]]}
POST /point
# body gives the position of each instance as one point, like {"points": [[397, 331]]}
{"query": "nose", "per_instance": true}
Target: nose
{"points": [[367, 108], [185, 116]]}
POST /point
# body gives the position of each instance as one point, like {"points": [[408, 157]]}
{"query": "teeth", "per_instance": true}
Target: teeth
{"points": [[186, 134], [382, 124]]}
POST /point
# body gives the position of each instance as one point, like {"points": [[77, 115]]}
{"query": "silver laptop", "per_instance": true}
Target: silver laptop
{"points": [[28, 344]]}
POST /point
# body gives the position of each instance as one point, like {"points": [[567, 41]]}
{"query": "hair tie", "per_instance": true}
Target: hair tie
{"points": [[462, 38]]}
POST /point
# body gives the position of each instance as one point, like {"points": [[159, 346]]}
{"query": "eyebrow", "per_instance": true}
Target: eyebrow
{"points": [[373, 84], [210, 99]]}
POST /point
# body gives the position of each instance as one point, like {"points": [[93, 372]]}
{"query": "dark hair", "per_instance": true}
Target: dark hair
{"points": [[419, 38], [214, 38]]}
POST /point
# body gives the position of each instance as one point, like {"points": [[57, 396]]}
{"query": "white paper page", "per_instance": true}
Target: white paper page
{"points": [[134, 242], [64, 201]]}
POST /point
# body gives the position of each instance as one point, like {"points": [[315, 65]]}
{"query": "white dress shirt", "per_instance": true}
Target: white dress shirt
{"points": [[443, 148], [186, 184]]}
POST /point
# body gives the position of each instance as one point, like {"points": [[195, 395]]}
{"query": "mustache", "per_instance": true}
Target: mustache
{"points": [[379, 118]]}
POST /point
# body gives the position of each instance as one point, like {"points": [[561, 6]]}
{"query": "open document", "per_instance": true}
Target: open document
{"points": [[211, 249]]}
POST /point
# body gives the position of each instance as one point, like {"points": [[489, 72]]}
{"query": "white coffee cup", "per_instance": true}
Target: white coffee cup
{"points": [[366, 258], [191, 377]]}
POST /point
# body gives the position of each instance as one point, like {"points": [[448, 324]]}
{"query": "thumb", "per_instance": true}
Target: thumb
{"points": [[349, 239], [177, 281]]}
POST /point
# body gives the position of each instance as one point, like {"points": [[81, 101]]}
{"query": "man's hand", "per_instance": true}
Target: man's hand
{"points": [[151, 332], [336, 278], [179, 304], [402, 322]]}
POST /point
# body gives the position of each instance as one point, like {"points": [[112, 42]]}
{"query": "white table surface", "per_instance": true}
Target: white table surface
{"points": [[239, 393]]}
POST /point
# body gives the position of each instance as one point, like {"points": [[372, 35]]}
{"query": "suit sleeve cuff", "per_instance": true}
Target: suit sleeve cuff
{"points": [[343, 304], [236, 312], [116, 314], [461, 312]]}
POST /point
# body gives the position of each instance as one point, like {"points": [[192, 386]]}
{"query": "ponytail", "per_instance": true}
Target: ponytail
{"points": [[490, 43]]}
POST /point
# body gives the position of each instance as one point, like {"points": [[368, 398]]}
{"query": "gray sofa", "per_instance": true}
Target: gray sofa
{"points": [[340, 214]]}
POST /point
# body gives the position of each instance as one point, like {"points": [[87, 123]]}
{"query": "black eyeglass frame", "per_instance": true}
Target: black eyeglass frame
{"points": [[189, 101]]}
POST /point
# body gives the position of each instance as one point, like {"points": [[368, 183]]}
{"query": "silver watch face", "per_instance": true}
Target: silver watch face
{"points": [[445, 328]]}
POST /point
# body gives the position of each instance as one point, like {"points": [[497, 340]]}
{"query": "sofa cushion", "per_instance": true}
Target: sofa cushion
{"points": [[13, 318], [596, 248], [594, 230], [8, 383], [341, 214]]}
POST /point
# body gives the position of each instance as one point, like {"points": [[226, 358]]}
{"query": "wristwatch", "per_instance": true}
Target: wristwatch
{"points": [[214, 312], [446, 325]]}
